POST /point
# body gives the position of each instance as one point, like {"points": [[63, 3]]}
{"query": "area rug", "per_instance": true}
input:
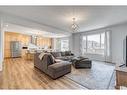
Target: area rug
{"points": [[98, 77]]}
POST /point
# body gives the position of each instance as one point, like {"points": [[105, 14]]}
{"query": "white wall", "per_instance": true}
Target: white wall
{"points": [[70, 42], [54, 42], [0, 50], [118, 34], [76, 44], [1, 44]]}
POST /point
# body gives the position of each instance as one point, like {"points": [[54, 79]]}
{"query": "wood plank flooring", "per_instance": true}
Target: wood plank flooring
{"points": [[20, 74]]}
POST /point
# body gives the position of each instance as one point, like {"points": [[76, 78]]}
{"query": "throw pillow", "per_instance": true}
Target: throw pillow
{"points": [[52, 59], [68, 53], [63, 53]]}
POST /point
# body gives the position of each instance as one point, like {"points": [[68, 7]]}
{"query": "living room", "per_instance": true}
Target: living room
{"points": [[63, 47]]}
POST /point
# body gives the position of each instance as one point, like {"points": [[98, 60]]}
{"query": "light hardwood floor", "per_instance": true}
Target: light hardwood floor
{"points": [[20, 74]]}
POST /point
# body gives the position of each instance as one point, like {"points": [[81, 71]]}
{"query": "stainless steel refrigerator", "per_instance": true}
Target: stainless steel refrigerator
{"points": [[15, 49]]}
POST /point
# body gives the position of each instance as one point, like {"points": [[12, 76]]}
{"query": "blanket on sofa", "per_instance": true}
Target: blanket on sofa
{"points": [[41, 55]]}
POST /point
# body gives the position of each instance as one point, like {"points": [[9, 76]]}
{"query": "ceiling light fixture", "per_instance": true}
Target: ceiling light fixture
{"points": [[74, 25]]}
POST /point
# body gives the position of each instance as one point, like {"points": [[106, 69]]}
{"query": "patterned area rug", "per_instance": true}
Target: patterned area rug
{"points": [[98, 77]]}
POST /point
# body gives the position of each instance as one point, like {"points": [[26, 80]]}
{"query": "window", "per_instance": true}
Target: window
{"points": [[64, 44], [94, 44]]}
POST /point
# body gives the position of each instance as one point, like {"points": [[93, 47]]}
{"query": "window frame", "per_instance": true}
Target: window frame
{"points": [[85, 50], [61, 45]]}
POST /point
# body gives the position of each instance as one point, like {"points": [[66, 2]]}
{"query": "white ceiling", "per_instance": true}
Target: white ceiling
{"points": [[30, 31], [59, 17]]}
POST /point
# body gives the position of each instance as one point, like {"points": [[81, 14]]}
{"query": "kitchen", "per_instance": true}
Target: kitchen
{"points": [[23, 45]]}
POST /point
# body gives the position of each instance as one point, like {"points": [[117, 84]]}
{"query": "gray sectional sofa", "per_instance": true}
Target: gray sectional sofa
{"points": [[57, 64], [66, 56], [51, 67]]}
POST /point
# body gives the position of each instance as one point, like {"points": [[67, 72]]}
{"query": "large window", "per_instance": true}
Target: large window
{"points": [[94, 44], [64, 44]]}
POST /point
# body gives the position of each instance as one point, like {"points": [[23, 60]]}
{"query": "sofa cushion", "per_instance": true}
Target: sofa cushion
{"points": [[53, 59], [56, 54], [50, 59], [59, 66], [63, 54], [67, 53]]}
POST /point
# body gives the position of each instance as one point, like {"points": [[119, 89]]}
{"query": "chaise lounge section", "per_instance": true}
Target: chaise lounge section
{"points": [[51, 67]]}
